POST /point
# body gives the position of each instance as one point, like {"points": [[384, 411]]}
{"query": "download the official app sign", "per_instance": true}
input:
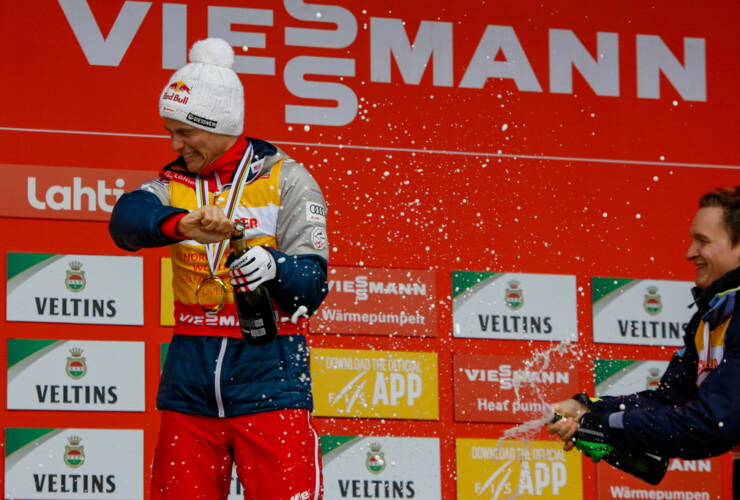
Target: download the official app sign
{"points": [[375, 384]]}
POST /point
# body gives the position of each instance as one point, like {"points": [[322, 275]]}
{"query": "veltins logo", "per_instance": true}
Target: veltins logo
{"points": [[375, 462], [75, 280], [76, 367], [514, 295], [74, 452], [653, 378], [652, 303]]}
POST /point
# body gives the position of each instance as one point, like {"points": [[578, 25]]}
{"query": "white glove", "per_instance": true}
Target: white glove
{"points": [[252, 269]]}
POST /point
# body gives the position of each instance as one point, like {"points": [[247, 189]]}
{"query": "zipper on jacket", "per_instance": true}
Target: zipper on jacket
{"points": [[217, 384]]}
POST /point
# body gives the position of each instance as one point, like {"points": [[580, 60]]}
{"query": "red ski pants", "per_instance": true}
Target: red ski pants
{"points": [[277, 456]]}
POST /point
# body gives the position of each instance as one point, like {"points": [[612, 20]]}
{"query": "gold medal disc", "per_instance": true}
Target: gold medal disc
{"points": [[211, 294]]}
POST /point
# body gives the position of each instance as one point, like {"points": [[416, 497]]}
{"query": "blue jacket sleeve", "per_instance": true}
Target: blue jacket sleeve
{"points": [[134, 223], [677, 387], [692, 425], [301, 281]]}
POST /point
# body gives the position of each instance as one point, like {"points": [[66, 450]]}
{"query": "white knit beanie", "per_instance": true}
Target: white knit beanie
{"points": [[206, 93]]}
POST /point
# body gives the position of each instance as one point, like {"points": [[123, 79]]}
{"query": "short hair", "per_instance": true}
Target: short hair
{"points": [[728, 199]]}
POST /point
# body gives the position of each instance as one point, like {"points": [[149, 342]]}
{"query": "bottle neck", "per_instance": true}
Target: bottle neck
{"points": [[239, 245]]}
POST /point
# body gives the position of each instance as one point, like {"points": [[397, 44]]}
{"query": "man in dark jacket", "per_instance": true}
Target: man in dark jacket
{"points": [[695, 412]]}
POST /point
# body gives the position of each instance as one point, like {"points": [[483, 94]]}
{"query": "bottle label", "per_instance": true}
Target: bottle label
{"points": [[252, 323], [256, 332]]}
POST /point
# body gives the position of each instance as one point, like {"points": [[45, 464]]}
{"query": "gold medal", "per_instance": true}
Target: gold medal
{"points": [[211, 294]]}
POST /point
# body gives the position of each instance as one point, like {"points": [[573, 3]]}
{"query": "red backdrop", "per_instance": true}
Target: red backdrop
{"points": [[429, 173]]}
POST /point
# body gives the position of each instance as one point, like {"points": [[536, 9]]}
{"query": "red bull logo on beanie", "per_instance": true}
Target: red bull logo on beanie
{"points": [[176, 92], [179, 86]]}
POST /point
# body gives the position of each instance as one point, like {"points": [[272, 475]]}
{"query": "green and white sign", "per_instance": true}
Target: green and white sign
{"points": [[514, 306], [75, 375], [641, 312], [88, 289], [381, 467], [74, 464], [617, 377]]}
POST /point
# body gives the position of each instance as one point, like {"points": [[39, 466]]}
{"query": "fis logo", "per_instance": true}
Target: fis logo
{"points": [[356, 393]]}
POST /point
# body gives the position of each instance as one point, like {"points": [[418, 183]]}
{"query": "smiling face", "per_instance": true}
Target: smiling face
{"points": [[198, 147], [711, 248]]}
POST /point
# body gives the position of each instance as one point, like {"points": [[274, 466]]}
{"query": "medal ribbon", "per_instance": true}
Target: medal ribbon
{"points": [[243, 176]]}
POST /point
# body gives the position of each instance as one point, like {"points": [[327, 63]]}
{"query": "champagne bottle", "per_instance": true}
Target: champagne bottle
{"points": [[591, 441], [254, 309]]}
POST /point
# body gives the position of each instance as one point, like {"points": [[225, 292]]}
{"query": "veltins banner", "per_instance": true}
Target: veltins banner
{"points": [[514, 306], [72, 464], [614, 377], [381, 467], [94, 289], [500, 469], [75, 375], [641, 312], [378, 302], [507, 389], [375, 384]]}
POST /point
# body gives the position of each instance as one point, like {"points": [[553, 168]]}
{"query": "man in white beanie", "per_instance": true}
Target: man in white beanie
{"points": [[225, 401]]}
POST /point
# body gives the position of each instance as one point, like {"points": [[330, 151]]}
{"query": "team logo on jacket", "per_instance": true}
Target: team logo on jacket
{"points": [[652, 303], [74, 453], [75, 280], [76, 367], [315, 212], [375, 462], [514, 296], [319, 239], [256, 166]]}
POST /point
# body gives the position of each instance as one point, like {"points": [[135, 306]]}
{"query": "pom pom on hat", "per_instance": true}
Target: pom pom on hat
{"points": [[212, 51], [206, 93]]}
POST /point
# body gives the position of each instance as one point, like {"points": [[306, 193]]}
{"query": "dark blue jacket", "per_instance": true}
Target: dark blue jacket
{"points": [[679, 419]]}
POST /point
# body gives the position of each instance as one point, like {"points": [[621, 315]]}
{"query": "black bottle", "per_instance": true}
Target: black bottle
{"points": [[254, 309], [590, 440]]}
